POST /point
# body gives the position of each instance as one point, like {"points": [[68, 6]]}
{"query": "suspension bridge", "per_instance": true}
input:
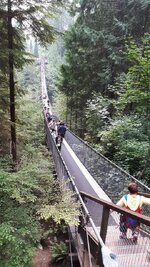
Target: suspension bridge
{"points": [[98, 184]]}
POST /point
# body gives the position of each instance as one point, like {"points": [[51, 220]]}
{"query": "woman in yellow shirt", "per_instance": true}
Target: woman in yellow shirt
{"points": [[134, 202]]}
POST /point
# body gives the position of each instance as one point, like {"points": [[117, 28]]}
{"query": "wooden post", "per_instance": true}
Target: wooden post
{"points": [[104, 223], [103, 232]]}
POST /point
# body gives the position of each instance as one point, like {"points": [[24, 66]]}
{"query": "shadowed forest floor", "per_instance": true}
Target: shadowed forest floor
{"points": [[43, 258]]}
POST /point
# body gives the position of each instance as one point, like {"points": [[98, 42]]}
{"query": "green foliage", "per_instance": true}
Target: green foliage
{"points": [[131, 155], [30, 131], [65, 208], [136, 98], [16, 20], [59, 252], [126, 143], [99, 114], [19, 231], [95, 51], [137, 83], [59, 106], [25, 192], [106, 76]]}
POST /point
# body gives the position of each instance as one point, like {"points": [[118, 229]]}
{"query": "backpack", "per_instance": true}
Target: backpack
{"points": [[130, 222]]}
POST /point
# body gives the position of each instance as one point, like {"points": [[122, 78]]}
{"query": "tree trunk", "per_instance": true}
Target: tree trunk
{"points": [[11, 82], [67, 110]]}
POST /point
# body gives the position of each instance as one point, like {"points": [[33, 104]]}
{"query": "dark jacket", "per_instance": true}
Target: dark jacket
{"points": [[62, 130]]}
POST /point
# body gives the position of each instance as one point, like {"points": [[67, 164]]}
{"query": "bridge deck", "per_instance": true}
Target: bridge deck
{"points": [[129, 254]]}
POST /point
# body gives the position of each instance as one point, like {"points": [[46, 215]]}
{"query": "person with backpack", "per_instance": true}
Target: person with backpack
{"points": [[61, 130], [134, 202]]}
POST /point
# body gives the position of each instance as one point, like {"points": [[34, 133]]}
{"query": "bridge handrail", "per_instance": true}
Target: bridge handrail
{"points": [[111, 162], [107, 206], [76, 189], [141, 218]]}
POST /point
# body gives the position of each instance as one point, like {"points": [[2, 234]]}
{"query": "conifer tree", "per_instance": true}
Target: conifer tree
{"points": [[95, 48], [16, 17]]}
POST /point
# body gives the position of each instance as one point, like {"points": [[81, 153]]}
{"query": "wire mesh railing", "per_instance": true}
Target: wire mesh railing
{"points": [[110, 177], [63, 174], [94, 255], [129, 252]]}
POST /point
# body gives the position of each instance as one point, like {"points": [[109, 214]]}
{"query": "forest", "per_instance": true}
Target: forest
{"points": [[98, 80], [106, 81]]}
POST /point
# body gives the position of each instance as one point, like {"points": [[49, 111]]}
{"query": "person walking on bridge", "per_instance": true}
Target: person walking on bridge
{"points": [[131, 201], [61, 130]]}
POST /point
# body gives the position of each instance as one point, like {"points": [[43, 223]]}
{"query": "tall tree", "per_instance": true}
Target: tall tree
{"points": [[95, 46], [11, 81], [138, 86], [18, 16]]}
